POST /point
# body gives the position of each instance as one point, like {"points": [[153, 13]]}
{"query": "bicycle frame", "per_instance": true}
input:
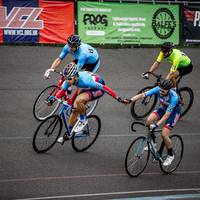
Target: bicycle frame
{"points": [[153, 149]]}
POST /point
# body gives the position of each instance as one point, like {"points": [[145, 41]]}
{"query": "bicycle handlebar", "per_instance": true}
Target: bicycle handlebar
{"points": [[143, 124]]}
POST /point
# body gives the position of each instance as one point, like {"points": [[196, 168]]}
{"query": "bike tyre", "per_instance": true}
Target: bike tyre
{"points": [[92, 106], [40, 116], [37, 137], [171, 168], [129, 154], [191, 96], [75, 142]]}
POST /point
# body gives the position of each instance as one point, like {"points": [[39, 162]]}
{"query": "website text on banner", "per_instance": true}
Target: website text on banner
{"points": [[191, 27], [36, 21], [128, 23]]}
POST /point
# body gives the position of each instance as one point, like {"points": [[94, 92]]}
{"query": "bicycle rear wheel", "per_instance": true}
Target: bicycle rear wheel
{"points": [[142, 107], [91, 106], [47, 134], [178, 148], [187, 97], [42, 108], [136, 157], [83, 140]]}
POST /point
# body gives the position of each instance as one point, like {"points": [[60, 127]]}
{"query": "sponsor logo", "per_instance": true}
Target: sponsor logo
{"points": [[163, 23], [21, 18], [192, 16], [90, 19]]}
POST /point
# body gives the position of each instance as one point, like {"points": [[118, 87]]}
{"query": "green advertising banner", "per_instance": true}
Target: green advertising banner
{"points": [[128, 23]]}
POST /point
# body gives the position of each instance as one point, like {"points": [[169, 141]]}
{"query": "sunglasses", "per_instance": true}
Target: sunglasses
{"points": [[70, 78]]}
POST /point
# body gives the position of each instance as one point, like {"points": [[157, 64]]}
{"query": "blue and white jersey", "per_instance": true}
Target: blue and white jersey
{"points": [[169, 102], [85, 54]]}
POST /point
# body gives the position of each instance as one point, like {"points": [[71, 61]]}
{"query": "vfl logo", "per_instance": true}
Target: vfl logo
{"points": [[21, 18], [95, 19], [163, 23]]}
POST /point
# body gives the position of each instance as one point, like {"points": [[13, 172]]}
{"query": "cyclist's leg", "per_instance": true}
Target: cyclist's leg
{"points": [[155, 116], [169, 125]]}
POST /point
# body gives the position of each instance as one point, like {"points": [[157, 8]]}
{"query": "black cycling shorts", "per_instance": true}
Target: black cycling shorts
{"points": [[185, 70], [88, 67]]}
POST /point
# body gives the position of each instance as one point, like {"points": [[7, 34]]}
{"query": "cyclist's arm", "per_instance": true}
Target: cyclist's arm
{"points": [[157, 62], [154, 66], [148, 93], [56, 63], [105, 88], [61, 92]]}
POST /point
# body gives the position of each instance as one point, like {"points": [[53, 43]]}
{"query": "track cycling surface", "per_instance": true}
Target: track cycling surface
{"points": [[98, 173]]}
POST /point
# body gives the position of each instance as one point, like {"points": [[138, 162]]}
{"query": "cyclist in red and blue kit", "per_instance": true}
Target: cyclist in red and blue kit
{"points": [[91, 86], [167, 113]]}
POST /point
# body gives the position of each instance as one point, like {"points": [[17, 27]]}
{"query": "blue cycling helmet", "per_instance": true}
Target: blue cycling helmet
{"points": [[74, 41], [167, 46], [70, 70]]}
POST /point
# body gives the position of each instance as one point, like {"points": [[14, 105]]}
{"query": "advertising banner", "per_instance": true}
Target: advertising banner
{"points": [[128, 23], [36, 21], [191, 24]]}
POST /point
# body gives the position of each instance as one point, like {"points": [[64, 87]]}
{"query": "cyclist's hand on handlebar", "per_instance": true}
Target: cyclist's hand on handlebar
{"points": [[145, 75], [152, 127], [47, 73]]}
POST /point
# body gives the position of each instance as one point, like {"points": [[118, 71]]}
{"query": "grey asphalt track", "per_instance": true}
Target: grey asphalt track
{"points": [[98, 173]]}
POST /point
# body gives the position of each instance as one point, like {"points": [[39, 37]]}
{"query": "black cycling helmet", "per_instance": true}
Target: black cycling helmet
{"points": [[166, 84], [74, 41], [167, 46]]}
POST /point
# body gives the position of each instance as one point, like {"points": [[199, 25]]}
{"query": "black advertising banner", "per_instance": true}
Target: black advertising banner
{"points": [[191, 24]]}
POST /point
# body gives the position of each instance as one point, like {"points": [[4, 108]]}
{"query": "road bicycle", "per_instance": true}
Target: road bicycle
{"points": [[137, 156], [43, 107], [143, 107], [49, 130]]}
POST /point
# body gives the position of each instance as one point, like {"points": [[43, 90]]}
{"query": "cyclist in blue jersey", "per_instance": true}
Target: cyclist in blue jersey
{"points": [[92, 87], [167, 113], [86, 57]]}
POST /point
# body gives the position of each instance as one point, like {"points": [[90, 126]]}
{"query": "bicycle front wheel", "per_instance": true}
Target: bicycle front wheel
{"points": [[91, 106], [42, 108], [142, 107], [187, 97], [83, 140], [178, 147], [47, 134], [136, 157]]}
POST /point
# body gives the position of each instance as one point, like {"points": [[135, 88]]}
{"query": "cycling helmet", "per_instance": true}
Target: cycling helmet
{"points": [[70, 70], [74, 41], [167, 46], [166, 84]]}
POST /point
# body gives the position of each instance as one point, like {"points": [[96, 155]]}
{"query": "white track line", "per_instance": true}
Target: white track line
{"points": [[114, 193], [122, 135], [86, 176]]}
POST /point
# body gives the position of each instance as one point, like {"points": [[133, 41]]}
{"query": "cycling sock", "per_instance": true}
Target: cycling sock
{"points": [[82, 117], [170, 152]]}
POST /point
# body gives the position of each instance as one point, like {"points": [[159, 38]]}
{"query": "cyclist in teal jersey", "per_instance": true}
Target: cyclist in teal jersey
{"points": [[85, 56], [180, 62]]}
